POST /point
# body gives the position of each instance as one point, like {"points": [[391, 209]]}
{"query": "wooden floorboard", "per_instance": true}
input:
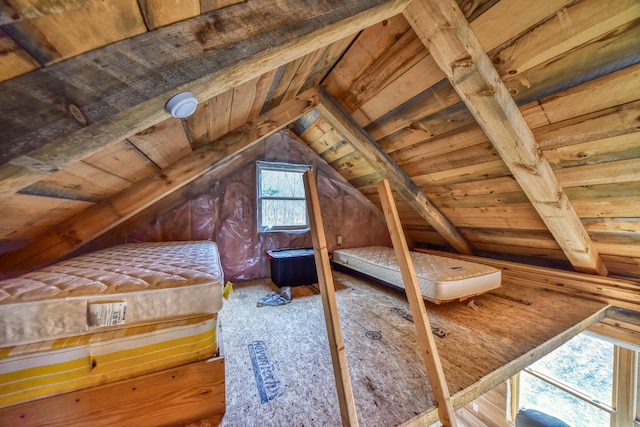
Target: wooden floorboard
{"points": [[278, 366]]}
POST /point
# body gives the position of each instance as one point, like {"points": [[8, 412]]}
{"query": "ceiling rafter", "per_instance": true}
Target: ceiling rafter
{"points": [[456, 49], [74, 122], [110, 212], [344, 124]]}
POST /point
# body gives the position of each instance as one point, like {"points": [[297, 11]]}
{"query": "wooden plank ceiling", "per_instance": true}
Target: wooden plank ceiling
{"points": [[506, 128]]}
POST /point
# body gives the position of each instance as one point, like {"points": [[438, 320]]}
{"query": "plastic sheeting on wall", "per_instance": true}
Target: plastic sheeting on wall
{"points": [[221, 207]]}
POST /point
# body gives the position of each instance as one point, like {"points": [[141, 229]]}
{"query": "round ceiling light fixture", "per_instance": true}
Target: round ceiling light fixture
{"points": [[182, 105]]}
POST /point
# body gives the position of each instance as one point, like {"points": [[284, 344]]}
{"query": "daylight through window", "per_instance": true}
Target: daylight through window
{"points": [[281, 197], [573, 383]]}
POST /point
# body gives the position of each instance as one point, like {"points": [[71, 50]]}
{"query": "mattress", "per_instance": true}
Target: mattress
{"points": [[129, 284], [51, 367], [441, 279]]}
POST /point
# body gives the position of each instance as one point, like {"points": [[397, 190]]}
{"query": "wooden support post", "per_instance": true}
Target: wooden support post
{"points": [[328, 293], [625, 374], [426, 340]]}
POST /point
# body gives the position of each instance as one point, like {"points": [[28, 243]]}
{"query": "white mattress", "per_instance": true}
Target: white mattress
{"points": [[129, 284], [441, 279]]}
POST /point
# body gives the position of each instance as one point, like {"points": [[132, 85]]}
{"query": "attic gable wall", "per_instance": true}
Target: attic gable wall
{"points": [[221, 206]]}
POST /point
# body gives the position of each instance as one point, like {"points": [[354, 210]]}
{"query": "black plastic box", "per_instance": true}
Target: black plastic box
{"points": [[293, 267]]}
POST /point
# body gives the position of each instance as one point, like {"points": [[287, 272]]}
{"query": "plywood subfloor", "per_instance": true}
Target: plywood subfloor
{"points": [[278, 366]]}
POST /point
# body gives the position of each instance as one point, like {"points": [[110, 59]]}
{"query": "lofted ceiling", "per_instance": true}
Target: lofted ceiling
{"points": [[505, 127]]}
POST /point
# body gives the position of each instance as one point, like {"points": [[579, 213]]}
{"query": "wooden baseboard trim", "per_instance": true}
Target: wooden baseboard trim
{"points": [[172, 397]]}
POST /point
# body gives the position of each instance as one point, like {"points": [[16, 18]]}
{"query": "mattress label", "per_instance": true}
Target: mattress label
{"points": [[107, 313]]}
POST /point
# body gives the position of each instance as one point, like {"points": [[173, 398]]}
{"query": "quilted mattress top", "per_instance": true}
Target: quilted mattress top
{"points": [[440, 279], [121, 269], [130, 284], [430, 267]]}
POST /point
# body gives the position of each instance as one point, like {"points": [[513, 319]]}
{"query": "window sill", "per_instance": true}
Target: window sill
{"points": [[286, 230]]}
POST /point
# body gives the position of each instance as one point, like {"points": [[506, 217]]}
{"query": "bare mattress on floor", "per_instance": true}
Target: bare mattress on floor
{"points": [[441, 279], [129, 284]]}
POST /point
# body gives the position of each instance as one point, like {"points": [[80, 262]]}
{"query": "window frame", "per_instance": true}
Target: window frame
{"points": [[636, 416], [285, 167], [626, 384]]}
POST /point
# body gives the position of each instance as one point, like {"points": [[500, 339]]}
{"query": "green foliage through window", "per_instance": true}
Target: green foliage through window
{"points": [[281, 197]]}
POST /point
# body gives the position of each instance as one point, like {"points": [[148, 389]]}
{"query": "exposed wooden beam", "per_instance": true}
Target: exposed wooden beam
{"points": [[333, 113], [110, 212], [85, 103], [426, 340], [456, 49], [346, 400]]}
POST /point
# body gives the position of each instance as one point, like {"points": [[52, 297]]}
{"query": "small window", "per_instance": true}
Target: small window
{"points": [[281, 198]]}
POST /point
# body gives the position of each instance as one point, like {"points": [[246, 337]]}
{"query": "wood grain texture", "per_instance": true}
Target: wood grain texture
{"points": [[187, 393], [424, 74], [607, 123], [370, 44], [611, 51], [18, 10], [426, 339], [328, 61], [490, 409], [220, 114], [78, 230], [616, 148], [53, 37], [614, 291], [243, 98], [209, 5], [610, 98], [281, 81], [158, 13], [82, 107], [570, 66], [346, 400], [568, 28], [380, 162], [163, 143], [80, 181], [618, 88], [520, 19], [460, 55], [112, 159], [405, 52], [488, 170], [525, 238], [14, 60], [402, 91], [437, 98], [25, 210], [499, 339], [302, 74]]}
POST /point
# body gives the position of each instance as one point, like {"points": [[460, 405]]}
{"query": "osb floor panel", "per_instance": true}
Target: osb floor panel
{"points": [[278, 365]]}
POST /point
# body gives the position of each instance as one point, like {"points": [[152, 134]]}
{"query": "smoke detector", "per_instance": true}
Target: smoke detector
{"points": [[182, 105]]}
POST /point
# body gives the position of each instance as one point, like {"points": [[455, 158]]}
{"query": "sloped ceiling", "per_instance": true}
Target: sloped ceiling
{"points": [[505, 127]]}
